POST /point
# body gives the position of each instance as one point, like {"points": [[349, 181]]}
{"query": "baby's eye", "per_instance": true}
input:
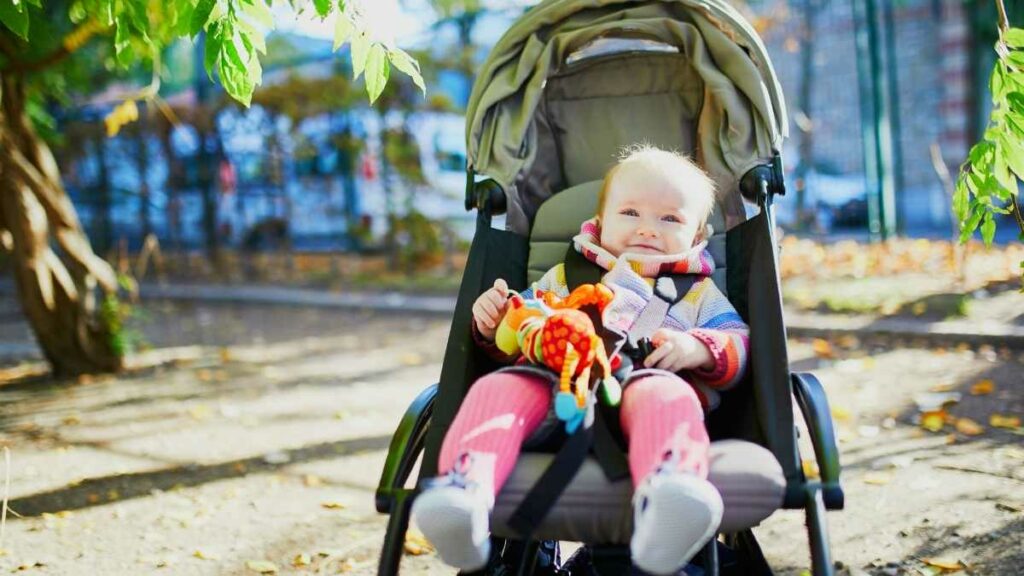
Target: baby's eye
{"points": [[629, 212], [671, 218]]}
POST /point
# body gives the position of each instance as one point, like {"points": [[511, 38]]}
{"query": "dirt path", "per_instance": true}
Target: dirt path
{"points": [[266, 447]]}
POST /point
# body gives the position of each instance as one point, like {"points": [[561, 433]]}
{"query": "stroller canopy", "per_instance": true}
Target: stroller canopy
{"points": [[573, 81]]}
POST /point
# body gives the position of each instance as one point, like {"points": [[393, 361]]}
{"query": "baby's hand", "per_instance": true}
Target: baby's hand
{"points": [[675, 351], [489, 309]]}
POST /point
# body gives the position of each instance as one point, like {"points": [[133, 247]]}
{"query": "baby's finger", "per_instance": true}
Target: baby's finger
{"points": [[496, 298], [502, 287], [677, 364], [655, 359], [659, 337], [490, 310]]}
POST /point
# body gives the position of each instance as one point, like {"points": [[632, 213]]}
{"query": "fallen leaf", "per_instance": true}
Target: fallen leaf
{"points": [[822, 348], [1000, 421], [416, 543], [944, 387], [944, 564], [332, 505], [969, 427], [261, 566], [225, 354], [302, 560], [71, 420], [933, 421], [411, 359], [1009, 507], [877, 479], [203, 555], [982, 387], [840, 414], [811, 469]]}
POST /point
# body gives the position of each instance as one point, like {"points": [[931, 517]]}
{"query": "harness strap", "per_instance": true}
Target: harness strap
{"points": [[549, 487]]}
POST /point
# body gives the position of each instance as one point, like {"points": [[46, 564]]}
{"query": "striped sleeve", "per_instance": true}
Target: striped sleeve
{"points": [[721, 329]]}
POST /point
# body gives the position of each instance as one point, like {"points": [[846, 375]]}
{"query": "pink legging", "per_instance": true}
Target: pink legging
{"points": [[660, 415]]}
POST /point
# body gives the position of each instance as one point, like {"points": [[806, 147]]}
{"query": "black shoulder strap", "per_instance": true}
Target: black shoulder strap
{"points": [[579, 270]]}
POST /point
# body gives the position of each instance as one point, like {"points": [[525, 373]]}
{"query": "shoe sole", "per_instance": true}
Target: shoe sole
{"points": [[688, 510], [446, 519]]}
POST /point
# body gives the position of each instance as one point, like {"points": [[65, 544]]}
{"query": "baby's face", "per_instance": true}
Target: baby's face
{"points": [[646, 213]]}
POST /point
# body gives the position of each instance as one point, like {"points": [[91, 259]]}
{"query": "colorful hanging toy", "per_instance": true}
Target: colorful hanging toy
{"points": [[556, 333]]}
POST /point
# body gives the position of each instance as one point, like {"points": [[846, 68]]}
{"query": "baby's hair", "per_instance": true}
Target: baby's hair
{"points": [[675, 165]]}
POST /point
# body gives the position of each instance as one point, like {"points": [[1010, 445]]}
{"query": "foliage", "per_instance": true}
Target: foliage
{"points": [[419, 241], [138, 32], [988, 181], [116, 314]]}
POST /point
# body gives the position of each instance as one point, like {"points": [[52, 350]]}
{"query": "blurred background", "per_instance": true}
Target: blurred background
{"points": [[288, 271]]}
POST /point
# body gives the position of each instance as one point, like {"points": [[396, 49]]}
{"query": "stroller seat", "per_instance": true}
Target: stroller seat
{"points": [[592, 509]]}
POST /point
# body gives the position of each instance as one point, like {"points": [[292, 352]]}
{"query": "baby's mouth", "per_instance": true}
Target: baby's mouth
{"points": [[644, 248]]}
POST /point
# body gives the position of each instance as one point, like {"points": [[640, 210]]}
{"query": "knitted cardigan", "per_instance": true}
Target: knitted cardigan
{"points": [[704, 312]]}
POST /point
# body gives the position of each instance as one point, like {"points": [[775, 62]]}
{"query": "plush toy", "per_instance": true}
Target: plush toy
{"points": [[554, 332]]}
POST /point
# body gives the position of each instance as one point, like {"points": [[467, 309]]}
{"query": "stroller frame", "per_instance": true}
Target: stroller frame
{"points": [[738, 553]]}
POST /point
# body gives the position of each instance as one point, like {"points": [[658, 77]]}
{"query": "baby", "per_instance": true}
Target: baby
{"points": [[651, 221]]}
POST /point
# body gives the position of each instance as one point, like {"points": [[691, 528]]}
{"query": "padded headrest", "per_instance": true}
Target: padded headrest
{"points": [[560, 217]]}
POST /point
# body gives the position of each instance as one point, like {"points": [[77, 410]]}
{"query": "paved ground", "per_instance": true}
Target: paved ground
{"points": [[265, 445]]}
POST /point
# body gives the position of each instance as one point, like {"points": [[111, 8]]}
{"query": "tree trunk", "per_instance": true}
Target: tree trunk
{"points": [[59, 301]]}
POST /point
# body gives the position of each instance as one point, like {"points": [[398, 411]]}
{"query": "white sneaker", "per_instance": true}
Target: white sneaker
{"points": [[454, 515], [674, 516]]}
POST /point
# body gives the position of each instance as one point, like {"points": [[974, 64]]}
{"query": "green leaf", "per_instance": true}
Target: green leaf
{"points": [[1016, 101], [978, 152], [242, 35], [1016, 59], [252, 35], [77, 13], [122, 41], [1014, 37], [323, 7], [183, 18], [968, 227], [259, 12], [211, 55], [406, 64], [377, 71], [1014, 153], [360, 50], [996, 82], [342, 30], [1001, 170], [201, 15], [960, 200], [988, 229], [15, 17], [234, 59]]}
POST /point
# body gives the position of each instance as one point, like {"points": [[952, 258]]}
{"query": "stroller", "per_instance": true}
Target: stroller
{"points": [[567, 86]]}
